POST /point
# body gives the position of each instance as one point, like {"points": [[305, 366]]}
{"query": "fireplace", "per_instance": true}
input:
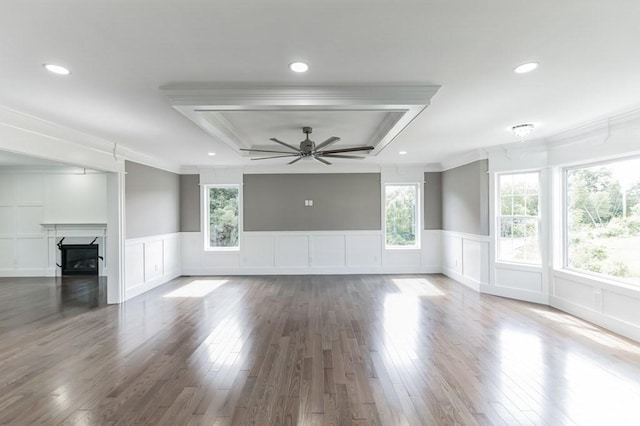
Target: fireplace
{"points": [[79, 259]]}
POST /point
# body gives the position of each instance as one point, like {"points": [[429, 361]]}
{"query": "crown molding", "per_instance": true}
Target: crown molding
{"points": [[205, 104], [148, 160], [597, 131], [462, 159], [25, 134]]}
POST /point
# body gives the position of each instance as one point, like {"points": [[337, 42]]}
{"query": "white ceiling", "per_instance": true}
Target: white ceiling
{"points": [[121, 52]]}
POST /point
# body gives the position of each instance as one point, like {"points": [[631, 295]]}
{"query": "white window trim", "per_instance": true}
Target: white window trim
{"points": [[498, 216], [205, 217], [418, 224]]}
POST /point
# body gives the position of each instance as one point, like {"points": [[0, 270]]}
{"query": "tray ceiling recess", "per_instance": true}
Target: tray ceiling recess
{"points": [[248, 116]]}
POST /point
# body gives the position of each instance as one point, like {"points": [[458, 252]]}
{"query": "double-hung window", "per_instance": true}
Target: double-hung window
{"points": [[222, 217], [519, 218], [401, 215]]}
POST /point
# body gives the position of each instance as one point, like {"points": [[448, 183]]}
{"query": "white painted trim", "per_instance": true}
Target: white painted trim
{"points": [[145, 286], [405, 102], [628, 330], [469, 282], [151, 239], [25, 134], [115, 254], [513, 293], [462, 159], [597, 282], [30, 272], [310, 271], [28, 135], [472, 237], [133, 289]]}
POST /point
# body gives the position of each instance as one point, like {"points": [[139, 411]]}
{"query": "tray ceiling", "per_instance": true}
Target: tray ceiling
{"points": [[247, 117]]}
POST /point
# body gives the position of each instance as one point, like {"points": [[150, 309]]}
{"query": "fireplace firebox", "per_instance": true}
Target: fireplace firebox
{"points": [[79, 259]]}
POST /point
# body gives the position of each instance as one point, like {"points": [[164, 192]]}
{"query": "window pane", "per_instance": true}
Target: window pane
{"points": [[401, 215], [507, 206], [518, 205], [603, 220], [532, 205], [223, 217], [518, 223]]}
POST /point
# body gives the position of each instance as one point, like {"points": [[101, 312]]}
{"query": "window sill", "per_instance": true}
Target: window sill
{"points": [[401, 248], [222, 249], [519, 266]]}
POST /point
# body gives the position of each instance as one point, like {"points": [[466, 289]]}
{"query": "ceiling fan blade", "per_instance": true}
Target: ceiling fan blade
{"points": [[321, 160], [285, 144], [297, 159], [265, 150], [331, 140], [275, 156], [338, 151], [353, 157]]}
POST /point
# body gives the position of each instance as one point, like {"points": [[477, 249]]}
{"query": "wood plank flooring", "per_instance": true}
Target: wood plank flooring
{"points": [[305, 350]]}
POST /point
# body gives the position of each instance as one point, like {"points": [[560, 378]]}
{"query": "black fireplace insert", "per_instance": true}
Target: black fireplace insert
{"points": [[79, 259]]}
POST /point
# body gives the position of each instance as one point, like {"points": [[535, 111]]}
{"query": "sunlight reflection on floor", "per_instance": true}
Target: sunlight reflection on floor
{"points": [[587, 330], [597, 396], [521, 359], [417, 287], [401, 321], [197, 288]]}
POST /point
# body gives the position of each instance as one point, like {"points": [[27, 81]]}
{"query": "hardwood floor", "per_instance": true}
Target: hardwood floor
{"points": [[316, 350]]}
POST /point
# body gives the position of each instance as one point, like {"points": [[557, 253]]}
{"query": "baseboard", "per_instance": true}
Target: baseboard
{"points": [[34, 272], [312, 271], [143, 287], [466, 281], [517, 294], [623, 328]]}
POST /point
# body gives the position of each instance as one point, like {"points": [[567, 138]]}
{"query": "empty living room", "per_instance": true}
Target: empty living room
{"points": [[331, 213]]}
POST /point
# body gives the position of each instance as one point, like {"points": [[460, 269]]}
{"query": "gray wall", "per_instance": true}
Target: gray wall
{"points": [[341, 201], [189, 203], [465, 199], [152, 201], [433, 200]]}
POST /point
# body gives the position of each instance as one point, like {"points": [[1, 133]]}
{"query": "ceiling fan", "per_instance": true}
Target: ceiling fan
{"points": [[309, 149]]}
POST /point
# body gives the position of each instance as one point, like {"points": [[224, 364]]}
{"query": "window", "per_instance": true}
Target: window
{"points": [[401, 215], [519, 219], [222, 230], [603, 219]]}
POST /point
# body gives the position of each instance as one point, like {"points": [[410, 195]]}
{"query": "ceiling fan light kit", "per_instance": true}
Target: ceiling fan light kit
{"points": [[309, 149]]}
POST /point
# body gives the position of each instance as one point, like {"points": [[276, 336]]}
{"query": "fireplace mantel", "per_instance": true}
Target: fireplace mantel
{"points": [[69, 229]]}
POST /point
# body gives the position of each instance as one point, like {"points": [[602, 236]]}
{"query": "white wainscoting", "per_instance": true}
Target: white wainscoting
{"points": [[31, 202], [313, 252], [466, 258], [610, 305], [150, 262], [521, 282]]}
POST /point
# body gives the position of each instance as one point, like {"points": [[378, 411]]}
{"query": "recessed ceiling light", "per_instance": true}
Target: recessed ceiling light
{"points": [[298, 67], [211, 154], [57, 69], [402, 152], [523, 130], [525, 68]]}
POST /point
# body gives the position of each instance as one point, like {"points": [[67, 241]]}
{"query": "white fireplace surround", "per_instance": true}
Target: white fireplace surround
{"points": [[74, 233]]}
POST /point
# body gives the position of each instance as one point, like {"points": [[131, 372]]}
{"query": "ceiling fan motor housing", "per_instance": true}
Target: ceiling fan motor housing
{"points": [[307, 146]]}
